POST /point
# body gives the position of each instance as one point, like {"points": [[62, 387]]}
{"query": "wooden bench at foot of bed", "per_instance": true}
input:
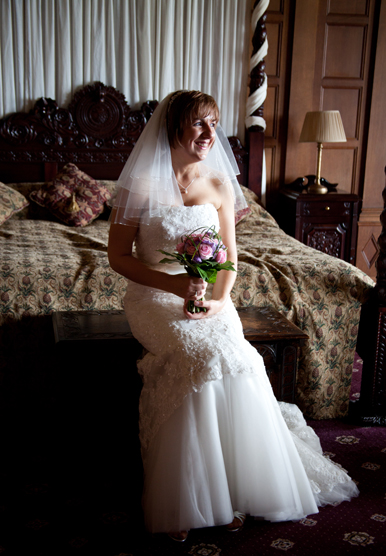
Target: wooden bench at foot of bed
{"points": [[97, 388], [92, 345]]}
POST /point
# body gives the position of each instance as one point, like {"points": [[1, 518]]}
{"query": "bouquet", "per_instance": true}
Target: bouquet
{"points": [[203, 254]]}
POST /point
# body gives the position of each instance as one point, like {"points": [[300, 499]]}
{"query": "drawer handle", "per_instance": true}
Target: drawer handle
{"points": [[327, 208]]}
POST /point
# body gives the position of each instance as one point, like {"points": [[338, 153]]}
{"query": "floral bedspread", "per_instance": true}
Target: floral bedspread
{"points": [[322, 295], [46, 266]]}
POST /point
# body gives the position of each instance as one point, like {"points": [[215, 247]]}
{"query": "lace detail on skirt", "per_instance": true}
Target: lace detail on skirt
{"points": [[326, 477], [184, 355]]}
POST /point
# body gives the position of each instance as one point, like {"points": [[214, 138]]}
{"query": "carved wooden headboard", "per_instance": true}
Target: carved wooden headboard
{"points": [[97, 132]]}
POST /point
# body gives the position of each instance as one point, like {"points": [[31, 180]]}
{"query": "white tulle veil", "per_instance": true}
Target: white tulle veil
{"points": [[147, 183]]}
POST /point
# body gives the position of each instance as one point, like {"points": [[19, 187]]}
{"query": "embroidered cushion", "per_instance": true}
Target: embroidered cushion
{"points": [[73, 196], [241, 214], [11, 201]]}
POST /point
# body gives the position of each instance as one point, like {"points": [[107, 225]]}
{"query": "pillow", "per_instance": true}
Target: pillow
{"points": [[241, 214], [250, 197], [32, 211], [11, 201], [73, 196]]}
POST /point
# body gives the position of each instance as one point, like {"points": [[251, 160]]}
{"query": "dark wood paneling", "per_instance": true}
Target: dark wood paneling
{"points": [[280, 16], [369, 225], [348, 7], [350, 42], [346, 84], [332, 69], [276, 6], [348, 100], [329, 55]]}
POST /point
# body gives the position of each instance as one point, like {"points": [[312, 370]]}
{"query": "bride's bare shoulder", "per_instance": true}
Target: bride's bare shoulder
{"points": [[215, 177]]}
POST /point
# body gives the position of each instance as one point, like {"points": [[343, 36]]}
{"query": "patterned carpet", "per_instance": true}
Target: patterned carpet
{"points": [[61, 497]]}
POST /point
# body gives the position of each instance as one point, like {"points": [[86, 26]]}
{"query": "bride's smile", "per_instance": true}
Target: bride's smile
{"points": [[198, 137]]}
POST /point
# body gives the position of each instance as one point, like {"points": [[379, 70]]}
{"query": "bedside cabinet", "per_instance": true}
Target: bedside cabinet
{"points": [[325, 222]]}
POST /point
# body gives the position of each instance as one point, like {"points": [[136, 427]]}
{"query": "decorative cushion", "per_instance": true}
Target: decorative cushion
{"points": [[33, 211], [11, 201], [73, 196], [242, 213]]}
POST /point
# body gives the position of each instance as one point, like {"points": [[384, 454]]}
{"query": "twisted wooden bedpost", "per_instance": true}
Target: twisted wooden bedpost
{"points": [[371, 409], [254, 120]]}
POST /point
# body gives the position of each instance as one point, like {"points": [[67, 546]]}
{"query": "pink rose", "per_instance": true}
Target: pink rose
{"points": [[190, 248], [221, 257], [206, 251], [180, 248]]}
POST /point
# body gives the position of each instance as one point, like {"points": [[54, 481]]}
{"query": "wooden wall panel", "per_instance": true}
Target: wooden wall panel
{"points": [[367, 245], [272, 61], [339, 165], [270, 112], [306, 58], [353, 7], [348, 102], [374, 177], [345, 39], [269, 163], [334, 48], [345, 82], [276, 6], [279, 26], [322, 58]]}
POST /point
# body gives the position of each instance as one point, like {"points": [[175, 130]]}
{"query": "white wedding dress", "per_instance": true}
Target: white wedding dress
{"points": [[214, 439]]}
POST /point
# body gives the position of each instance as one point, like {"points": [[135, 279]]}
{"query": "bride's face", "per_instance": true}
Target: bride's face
{"points": [[198, 137]]}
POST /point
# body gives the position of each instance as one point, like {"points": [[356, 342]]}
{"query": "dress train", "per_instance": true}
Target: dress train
{"points": [[213, 456]]}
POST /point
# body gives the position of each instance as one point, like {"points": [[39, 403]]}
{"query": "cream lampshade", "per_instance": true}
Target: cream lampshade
{"points": [[322, 127]]}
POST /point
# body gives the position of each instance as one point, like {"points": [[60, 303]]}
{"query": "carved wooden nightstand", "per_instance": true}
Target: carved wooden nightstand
{"points": [[325, 222]]}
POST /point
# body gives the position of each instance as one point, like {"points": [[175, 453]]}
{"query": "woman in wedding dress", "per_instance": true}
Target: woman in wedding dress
{"points": [[216, 445]]}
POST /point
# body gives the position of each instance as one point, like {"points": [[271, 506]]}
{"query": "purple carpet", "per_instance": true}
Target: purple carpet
{"points": [[55, 505]]}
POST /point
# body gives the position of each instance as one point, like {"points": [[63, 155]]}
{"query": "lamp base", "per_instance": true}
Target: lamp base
{"points": [[311, 180], [317, 189]]}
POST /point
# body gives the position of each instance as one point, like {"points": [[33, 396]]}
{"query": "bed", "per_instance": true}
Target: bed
{"points": [[58, 169]]}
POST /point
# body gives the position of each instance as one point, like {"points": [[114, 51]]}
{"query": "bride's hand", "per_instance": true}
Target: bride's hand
{"points": [[188, 287], [212, 307]]}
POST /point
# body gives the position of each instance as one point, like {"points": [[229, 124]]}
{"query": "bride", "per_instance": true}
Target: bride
{"points": [[216, 445]]}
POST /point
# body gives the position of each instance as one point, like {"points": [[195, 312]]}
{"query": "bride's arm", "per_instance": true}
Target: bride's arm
{"points": [[121, 259]]}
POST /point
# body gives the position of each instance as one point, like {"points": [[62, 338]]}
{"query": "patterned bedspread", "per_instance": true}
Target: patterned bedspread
{"points": [[46, 266], [322, 295]]}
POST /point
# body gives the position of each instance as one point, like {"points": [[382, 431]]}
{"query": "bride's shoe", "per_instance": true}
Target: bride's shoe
{"points": [[179, 536], [237, 522]]}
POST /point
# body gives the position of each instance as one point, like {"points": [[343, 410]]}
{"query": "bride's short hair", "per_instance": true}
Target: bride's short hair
{"points": [[183, 108]]}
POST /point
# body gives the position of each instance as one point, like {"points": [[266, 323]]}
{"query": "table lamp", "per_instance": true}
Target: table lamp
{"points": [[322, 127]]}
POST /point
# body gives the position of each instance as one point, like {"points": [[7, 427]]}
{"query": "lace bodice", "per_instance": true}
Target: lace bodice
{"points": [[165, 232], [183, 354]]}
